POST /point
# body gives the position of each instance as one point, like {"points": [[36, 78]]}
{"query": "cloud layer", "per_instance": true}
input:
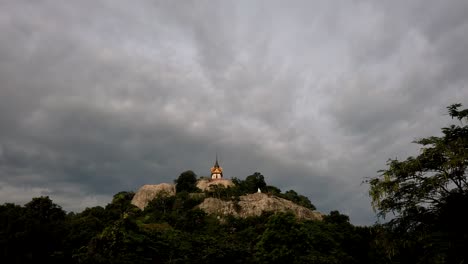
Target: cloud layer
{"points": [[98, 97]]}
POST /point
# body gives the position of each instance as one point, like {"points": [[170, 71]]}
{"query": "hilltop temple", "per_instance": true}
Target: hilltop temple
{"points": [[216, 171]]}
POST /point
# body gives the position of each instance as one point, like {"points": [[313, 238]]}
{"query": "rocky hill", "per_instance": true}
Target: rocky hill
{"points": [[245, 206], [150, 191], [254, 204]]}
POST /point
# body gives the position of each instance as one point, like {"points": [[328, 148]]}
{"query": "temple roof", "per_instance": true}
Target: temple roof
{"points": [[216, 168]]}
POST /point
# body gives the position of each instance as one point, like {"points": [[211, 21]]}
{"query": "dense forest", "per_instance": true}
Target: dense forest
{"points": [[425, 197]]}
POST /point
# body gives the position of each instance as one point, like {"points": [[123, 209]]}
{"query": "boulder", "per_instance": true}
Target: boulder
{"points": [[148, 192]]}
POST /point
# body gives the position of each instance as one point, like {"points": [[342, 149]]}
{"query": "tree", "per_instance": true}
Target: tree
{"points": [[423, 191], [44, 231], [253, 182], [187, 181], [298, 199], [84, 226], [273, 190], [283, 241], [12, 233], [121, 242]]}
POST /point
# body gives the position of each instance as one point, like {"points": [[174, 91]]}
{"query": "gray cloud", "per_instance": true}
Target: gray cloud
{"points": [[98, 97]]}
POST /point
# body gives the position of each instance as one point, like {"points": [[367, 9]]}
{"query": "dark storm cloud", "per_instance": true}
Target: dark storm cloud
{"points": [[98, 97]]}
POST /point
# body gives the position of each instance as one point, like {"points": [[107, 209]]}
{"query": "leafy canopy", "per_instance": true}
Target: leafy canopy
{"points": [[187, 181], [421, 183], [427, 195]]}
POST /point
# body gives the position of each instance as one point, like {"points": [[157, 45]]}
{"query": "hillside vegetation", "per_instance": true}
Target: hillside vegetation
{"points": [[177, 229]]}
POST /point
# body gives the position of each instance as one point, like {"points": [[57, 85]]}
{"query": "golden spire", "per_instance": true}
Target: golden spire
{"points": [[216, 170], [216, 163]]}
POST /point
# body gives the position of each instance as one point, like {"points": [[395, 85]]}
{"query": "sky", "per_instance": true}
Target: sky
{"points": [[103, 96]]}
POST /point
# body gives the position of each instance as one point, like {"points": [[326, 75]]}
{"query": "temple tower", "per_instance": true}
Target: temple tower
{"points": [[216, 171]]}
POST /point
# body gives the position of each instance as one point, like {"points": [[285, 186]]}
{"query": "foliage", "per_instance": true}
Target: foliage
{"points": [[334, 240], [426, 194], [282, 242], [273, 190], [172, 230], [187, 181], [32, 233], [121, 203], [297, 198], [251, 184]]}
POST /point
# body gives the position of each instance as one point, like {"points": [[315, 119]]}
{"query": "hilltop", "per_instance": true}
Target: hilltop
{"points": [[224, 197]]}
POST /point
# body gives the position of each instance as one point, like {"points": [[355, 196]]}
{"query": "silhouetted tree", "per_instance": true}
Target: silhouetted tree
{"points": [[426, 193], [187, 181]]}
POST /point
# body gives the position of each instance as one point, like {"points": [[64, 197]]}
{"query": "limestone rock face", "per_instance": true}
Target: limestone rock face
{"points": [[205, 184], [148, 192], [247, 205], [254, 204]]}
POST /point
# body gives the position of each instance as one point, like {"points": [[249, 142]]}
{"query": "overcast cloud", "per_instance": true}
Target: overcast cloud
{"points": [[98, 97]]}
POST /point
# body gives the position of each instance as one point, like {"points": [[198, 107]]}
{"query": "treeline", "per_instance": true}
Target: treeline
{"points": [[170, 230]]}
